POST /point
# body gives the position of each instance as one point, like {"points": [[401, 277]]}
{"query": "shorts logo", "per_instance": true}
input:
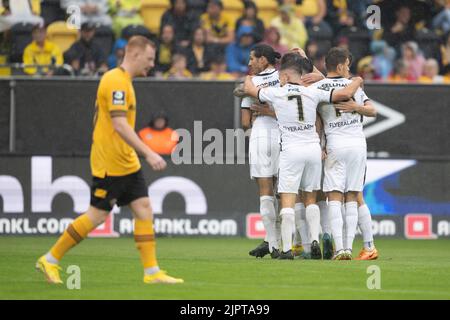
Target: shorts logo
{"points": [[100, 193], [118, 98]]}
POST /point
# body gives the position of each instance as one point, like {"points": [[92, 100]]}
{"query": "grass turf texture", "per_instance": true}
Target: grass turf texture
{"points": [[220, 268]]}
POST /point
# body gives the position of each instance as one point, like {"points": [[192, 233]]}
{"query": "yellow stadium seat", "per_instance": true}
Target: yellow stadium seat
{"points": [[267, 10], [152, 11], [59, 33], [36, 7], [233, 9]]}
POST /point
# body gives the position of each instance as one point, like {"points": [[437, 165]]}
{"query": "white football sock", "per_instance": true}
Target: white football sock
{"points": [[51, 258], [302, 226], [365, 224], [351, 222], [344, 227], [287, 227], [313, 220], [324, 217], [267, 210], [336, 222]]}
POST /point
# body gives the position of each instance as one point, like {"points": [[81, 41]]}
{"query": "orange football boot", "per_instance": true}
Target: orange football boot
{"points": [[365, 254]]}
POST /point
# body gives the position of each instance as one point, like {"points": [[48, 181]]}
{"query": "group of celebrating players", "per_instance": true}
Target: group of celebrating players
{"points": [[307, 145]]}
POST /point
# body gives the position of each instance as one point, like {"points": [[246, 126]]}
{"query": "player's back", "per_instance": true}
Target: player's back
{"points": [[110, 154], [341, 129], [295, 107], [263, 124]]}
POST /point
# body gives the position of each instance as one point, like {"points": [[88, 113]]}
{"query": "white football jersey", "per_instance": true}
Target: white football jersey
{"points": [[341, 129], [263, 125], [296, 108]]}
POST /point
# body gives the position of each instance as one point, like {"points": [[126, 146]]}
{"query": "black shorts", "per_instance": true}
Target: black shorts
{"points": [[108, 191]]}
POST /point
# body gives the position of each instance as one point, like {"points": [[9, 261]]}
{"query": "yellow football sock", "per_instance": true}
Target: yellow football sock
{"points": [[74, 234], [144, 236]]}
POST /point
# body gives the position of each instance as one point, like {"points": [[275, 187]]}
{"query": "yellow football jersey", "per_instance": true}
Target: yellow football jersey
{"points": [[110, 154]]}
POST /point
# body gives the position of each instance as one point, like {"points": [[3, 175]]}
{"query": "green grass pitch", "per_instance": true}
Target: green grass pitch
{"points": [[220, 268]]}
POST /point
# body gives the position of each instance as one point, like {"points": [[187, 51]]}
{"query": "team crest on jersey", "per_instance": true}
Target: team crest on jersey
{"points": [[118, 98]]}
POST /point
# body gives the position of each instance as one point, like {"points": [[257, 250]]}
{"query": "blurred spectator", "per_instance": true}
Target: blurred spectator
{"points": [[199, 53], [431, 73], [238, 52], [125, 13], [401, 72], [42, 52], [178, 69], [218, 70], [339, 16], [118, 52], [250, 18], [158, 135], [85, 56], [17, 11], [197, 7], [319, 63], [272, 38], [183, 21], [293, 32], [313, 13], [312, 49], [93, 11], [166, 48], [413, 58], [217, 25], [442, 20], [402, 30], [365, 68], [383, 59], [445, 54]]}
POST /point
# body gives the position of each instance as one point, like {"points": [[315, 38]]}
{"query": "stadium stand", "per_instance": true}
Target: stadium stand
{"points": [[59, 33], [151, 12]]}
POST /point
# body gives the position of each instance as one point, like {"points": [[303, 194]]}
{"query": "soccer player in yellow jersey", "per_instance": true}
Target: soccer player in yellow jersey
{"points": [[116, 170]]}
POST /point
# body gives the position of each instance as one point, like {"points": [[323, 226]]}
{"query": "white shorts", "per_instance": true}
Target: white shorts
{"points": [[300, 169], [264, 153], [345, 169]]}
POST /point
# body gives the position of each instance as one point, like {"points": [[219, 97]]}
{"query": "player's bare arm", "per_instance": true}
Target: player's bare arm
{"points": [[246, 119], [249, 87], [127, 133], [239, 91], [263, 110], [348, 92], [367, 110], [309, 78]]}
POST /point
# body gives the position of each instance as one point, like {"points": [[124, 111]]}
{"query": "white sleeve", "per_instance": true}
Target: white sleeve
{"points": [[267, 94], [322, 95], [246, 103]]}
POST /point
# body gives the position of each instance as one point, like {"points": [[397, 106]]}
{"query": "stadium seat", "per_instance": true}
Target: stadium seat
{"points": [[429, 43], [267, 10], [59, 33], [20, 38], [36, 7], [152, 11], [233, 9], [104, 36]]}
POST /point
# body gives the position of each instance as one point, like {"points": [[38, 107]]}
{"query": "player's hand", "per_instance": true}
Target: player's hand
{"points": [[248, 83], [311, 78], [359, 79], [156, 162], [347, 106], [299, 51], [324, 154], [239, 91]]}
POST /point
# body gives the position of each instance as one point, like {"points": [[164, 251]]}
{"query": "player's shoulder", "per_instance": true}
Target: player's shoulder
{"points": [[114, 77]]}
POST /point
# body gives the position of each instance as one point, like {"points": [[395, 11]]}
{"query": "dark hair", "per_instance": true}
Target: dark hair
{"points": [[159, 114], [295, 62], [335, 57], [264, 50], [218, 59], [250, 4]]}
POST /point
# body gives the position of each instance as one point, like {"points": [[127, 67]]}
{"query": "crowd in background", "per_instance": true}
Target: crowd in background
{"points": [[197, 39]]}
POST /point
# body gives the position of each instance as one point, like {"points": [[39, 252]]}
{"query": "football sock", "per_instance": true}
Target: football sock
{"points": [[336, 223], [313, 220], [351, 222], [365, 224], [268, 215], [144, 237], [74, 234], [287, 227], [302, 226], [324, 217]]}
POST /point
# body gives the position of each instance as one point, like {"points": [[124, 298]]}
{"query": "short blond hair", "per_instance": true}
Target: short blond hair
{"points": [[140, 42]]}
